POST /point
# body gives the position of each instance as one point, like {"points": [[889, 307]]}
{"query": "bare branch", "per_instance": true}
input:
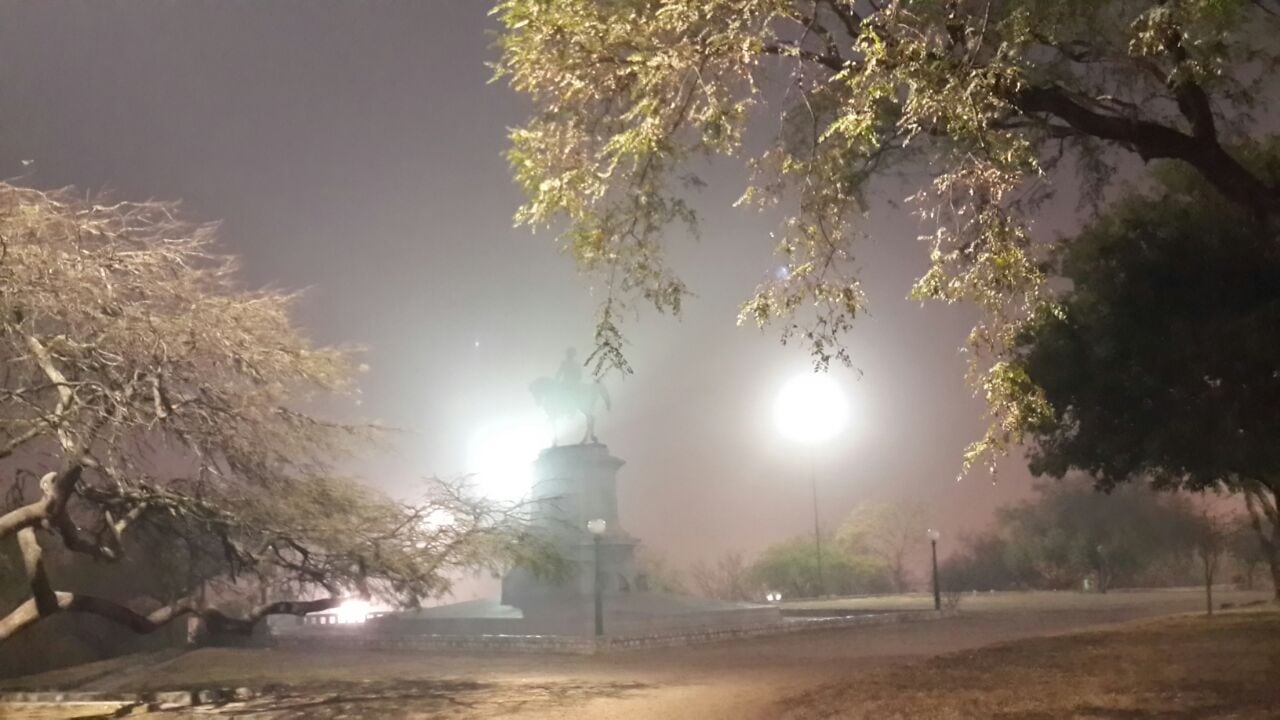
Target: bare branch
{"points": [[57, 488], [28, 614]]}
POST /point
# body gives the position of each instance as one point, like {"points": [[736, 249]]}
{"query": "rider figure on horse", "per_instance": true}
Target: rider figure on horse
{"points": [[566, 395], [570, 372]]}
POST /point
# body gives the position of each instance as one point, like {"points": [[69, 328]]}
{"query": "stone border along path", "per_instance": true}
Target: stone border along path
{"points": [[590, 646], [163, 700]]}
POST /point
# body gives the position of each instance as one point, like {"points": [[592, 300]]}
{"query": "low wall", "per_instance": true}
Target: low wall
{"points": [[843, 612], [358, 638], [353, 639]]}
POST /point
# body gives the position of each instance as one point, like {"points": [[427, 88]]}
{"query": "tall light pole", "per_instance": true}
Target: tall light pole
{"points": [[596, 528], [934, 535], [811, 408], [817, 528]]}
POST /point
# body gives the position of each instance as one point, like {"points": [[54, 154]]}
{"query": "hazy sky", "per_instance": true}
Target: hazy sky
{"points": [[354, 148]]}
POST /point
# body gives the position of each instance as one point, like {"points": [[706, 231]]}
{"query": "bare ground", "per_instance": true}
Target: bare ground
{"points": [[1141, 671]]}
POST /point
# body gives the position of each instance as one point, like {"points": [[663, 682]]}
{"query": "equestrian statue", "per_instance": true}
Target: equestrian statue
{"points": [[566, 395]]}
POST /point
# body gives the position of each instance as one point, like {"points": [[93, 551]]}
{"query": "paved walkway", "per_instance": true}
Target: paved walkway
{"points": [[740, 680]]}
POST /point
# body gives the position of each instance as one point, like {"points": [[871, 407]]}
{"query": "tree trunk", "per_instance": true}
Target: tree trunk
{"points": [[45, 601], [1273, 559], [1262, 500], [1208, 585]]}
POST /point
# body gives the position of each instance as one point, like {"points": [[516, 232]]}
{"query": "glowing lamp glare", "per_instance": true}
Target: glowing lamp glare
{"points": [[811, 408], [352, 612]]}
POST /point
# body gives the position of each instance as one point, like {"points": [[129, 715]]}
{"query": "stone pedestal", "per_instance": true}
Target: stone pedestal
{"points": [[574, 484]]}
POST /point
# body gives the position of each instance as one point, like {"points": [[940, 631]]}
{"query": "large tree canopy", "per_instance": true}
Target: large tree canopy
{"points": [[1162, 361], [144, 389], [990, 102]]}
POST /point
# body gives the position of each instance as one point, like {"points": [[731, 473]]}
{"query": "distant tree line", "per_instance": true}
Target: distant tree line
{"points": [[1067, 534], [868, 553], [1133, 537]]}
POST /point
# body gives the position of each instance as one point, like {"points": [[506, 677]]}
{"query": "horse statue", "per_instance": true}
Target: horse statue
{"points": [[566, 395]]}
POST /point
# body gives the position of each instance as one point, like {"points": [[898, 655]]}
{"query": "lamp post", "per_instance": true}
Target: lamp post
{"points": [[937, 590], [811, 408], [817, 529], [596, 528]]}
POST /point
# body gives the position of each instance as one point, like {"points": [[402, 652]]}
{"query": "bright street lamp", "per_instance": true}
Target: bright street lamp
{"points": [[597, 529], [810, 409], [934, 536]]}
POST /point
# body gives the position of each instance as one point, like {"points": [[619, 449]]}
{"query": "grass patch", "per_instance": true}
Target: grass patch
{"points": [[1037, 600], [1186, 667]]}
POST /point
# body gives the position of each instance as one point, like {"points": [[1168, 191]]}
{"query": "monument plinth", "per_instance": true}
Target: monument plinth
{"points": [[574, 485]]}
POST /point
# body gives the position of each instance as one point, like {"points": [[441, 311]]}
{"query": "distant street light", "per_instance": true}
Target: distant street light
{"points": [[596, 528], [934, 535], [810, 409]]}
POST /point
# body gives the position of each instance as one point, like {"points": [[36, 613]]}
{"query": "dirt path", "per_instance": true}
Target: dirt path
{"points": [[735, 680], [750, 681]]}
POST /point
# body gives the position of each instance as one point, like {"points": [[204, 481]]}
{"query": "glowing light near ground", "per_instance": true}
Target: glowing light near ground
{"points": [[811, 408], [352, 612], [501, 453]]}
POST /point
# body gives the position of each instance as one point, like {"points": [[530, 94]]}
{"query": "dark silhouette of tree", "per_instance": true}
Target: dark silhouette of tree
{"points": [[1162, 361]]}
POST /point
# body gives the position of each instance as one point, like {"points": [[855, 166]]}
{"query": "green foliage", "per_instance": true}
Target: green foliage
{"points": [[997, 104], [791, 567], [886, 533]]}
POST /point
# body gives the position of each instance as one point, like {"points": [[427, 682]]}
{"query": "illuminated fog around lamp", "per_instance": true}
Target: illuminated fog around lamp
{"points": [[811, 408], [501, 453], [352, 612]]}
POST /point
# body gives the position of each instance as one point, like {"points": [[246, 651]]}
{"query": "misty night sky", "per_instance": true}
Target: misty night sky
{"points": [[354, 149]]}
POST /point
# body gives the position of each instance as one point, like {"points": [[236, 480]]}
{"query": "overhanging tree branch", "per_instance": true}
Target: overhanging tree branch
{"points": [[30, 612], [1155, 141]]}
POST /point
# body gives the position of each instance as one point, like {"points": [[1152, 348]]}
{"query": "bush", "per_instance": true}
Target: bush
{"points": [[791, 567]]}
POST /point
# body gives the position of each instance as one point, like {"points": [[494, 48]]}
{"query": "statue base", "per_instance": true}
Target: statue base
{"points": [[573, 485]]}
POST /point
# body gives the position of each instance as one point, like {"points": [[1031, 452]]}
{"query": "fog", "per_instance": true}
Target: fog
{"points": [[355, 150]]}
